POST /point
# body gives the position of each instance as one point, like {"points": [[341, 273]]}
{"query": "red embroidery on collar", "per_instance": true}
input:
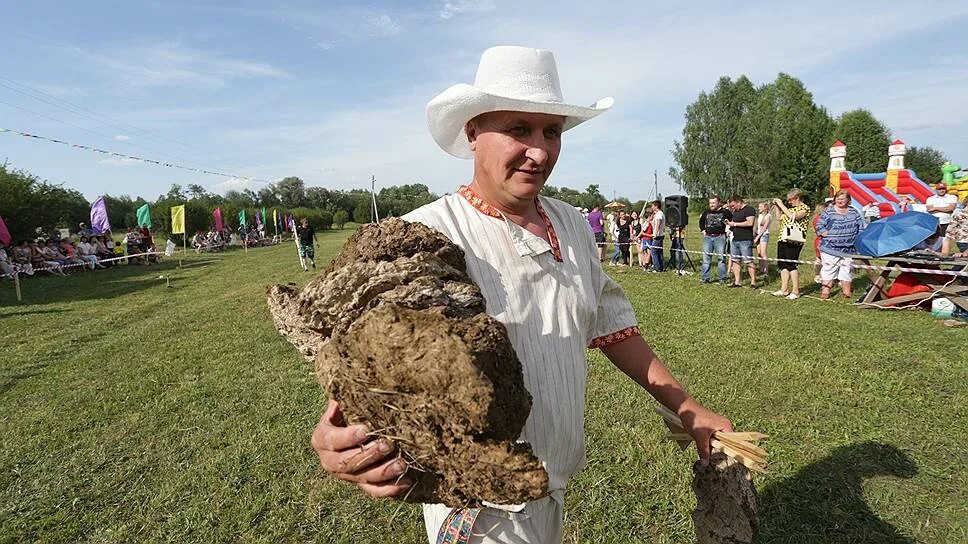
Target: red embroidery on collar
{"points": [[552, 235], [615, 337], [478, 202], [491, 211]]}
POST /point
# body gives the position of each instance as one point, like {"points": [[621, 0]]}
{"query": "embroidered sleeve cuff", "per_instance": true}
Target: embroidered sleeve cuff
{"points": [[615, 337]]}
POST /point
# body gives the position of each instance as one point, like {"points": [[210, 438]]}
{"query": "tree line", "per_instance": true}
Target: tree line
{"points": [[762, 141], [28, 202]]}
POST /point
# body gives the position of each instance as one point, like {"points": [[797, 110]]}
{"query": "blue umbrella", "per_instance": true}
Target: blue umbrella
{"points": [[896, 233]]}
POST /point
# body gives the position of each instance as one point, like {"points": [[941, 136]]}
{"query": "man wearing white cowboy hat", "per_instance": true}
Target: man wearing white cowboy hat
{"points": [[536, 262]]}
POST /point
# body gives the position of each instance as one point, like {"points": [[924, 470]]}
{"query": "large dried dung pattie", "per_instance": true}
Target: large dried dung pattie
{"points": [[400, 339]]}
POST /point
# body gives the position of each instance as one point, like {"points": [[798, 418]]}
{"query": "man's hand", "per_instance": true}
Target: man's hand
{"points": [[701, 423], [348, 454]]}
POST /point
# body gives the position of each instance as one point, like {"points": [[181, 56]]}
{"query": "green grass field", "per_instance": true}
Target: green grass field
{"points": [[136, 412]]}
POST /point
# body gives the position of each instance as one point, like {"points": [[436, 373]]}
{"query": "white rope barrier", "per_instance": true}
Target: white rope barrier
{"points": [[86, 264], [814, 262]]}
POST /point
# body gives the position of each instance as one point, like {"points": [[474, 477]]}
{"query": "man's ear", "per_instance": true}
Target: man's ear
{"points": [[470, 128]]}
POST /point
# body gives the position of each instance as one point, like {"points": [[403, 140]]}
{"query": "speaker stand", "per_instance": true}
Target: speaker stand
{"points": [[679, 244]]}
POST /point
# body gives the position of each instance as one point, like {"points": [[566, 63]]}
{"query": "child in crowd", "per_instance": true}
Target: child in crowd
{"points": [[762, 239]]}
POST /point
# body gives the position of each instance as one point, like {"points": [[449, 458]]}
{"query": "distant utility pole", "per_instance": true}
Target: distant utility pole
{"points": [[375, 212]]}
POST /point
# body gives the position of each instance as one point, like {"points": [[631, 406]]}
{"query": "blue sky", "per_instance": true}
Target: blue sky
{"points": [[335, 92]]}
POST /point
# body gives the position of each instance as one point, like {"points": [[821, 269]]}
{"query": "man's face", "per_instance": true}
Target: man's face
{"points": [[714, 204], [841, 201], [942, 191], [514, 152]]}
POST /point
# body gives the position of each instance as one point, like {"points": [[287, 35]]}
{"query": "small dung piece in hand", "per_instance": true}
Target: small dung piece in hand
{"points": [[726, 502]]}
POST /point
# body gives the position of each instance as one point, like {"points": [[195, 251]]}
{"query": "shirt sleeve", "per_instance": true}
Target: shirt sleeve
{"points": [[822, 222], [615, 320]]}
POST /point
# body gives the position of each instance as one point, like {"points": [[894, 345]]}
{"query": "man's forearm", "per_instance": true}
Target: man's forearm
{"points": [[636, 359]]}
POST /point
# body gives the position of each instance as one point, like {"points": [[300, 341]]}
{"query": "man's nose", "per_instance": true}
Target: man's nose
{"points": [[537, 153]]}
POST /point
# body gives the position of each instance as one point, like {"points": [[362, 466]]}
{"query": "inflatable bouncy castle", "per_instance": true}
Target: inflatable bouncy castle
{"points": [[886, 189]]}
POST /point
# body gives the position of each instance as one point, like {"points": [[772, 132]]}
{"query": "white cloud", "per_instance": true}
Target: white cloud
{"points": [[121, 138], [230, 184], [169, 64], [458, 7], [342, 24], [384, 25]]}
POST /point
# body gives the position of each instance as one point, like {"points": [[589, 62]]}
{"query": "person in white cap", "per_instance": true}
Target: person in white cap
{"points": [[537, 264]]}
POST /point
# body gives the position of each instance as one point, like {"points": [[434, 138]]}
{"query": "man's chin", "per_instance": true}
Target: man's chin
{"points": [[527, 183]]}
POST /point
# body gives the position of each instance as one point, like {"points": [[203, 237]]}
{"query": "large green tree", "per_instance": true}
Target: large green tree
{"points": [[784, 143], [867, 140], [710, 157], [926, 163], [292, 192], [590, 198], [398, 200]]}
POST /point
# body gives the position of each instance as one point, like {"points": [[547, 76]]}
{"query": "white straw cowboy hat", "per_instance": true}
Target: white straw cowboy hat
{"points": [[509, 78]]}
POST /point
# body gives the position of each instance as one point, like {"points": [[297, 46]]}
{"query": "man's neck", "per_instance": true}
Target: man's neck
{"points": [[520, 211]]}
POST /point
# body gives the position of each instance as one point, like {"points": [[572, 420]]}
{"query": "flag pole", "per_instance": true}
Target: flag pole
{"points": [[295, 238], [16, 285]]}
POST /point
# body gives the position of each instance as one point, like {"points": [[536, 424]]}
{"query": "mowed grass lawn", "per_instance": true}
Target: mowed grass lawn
{"points": [[136, 412]]}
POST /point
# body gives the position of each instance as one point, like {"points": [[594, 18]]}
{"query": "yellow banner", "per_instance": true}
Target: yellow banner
{"points": [[178, 219]]}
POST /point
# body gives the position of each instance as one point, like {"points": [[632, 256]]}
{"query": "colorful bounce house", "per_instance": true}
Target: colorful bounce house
{"points": [[886, 189]]}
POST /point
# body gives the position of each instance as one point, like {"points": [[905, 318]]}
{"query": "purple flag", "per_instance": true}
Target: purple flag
{"points": [[99, 217], [258, 220], [4, 234], [218, 219]]}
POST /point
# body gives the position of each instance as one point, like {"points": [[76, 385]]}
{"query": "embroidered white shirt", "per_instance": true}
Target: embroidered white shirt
{"points": [[555, 301]]}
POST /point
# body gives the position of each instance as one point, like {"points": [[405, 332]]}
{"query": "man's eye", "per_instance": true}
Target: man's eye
{"points": [[518, 131], [552, 133]]}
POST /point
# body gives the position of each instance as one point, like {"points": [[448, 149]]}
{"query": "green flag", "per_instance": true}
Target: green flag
{"points": [[144, 216], [265, 219], [242, 218]]}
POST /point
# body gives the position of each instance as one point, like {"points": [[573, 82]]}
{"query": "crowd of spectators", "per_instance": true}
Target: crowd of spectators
{"points": [[58, 254], [254, 236], [736, 237], [210, 241], [627, 231]]}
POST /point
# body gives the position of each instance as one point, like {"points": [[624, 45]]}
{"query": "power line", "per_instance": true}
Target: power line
{"points": [[134, 158], [68, 123], [90, 114]]}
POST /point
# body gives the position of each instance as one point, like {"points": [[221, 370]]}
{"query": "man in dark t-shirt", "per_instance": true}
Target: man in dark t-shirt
{"points": [[742, 247], [306, 236], [712, 223]]}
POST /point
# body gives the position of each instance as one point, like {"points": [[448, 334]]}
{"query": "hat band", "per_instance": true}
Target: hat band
{"points": [[538, 87]]}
